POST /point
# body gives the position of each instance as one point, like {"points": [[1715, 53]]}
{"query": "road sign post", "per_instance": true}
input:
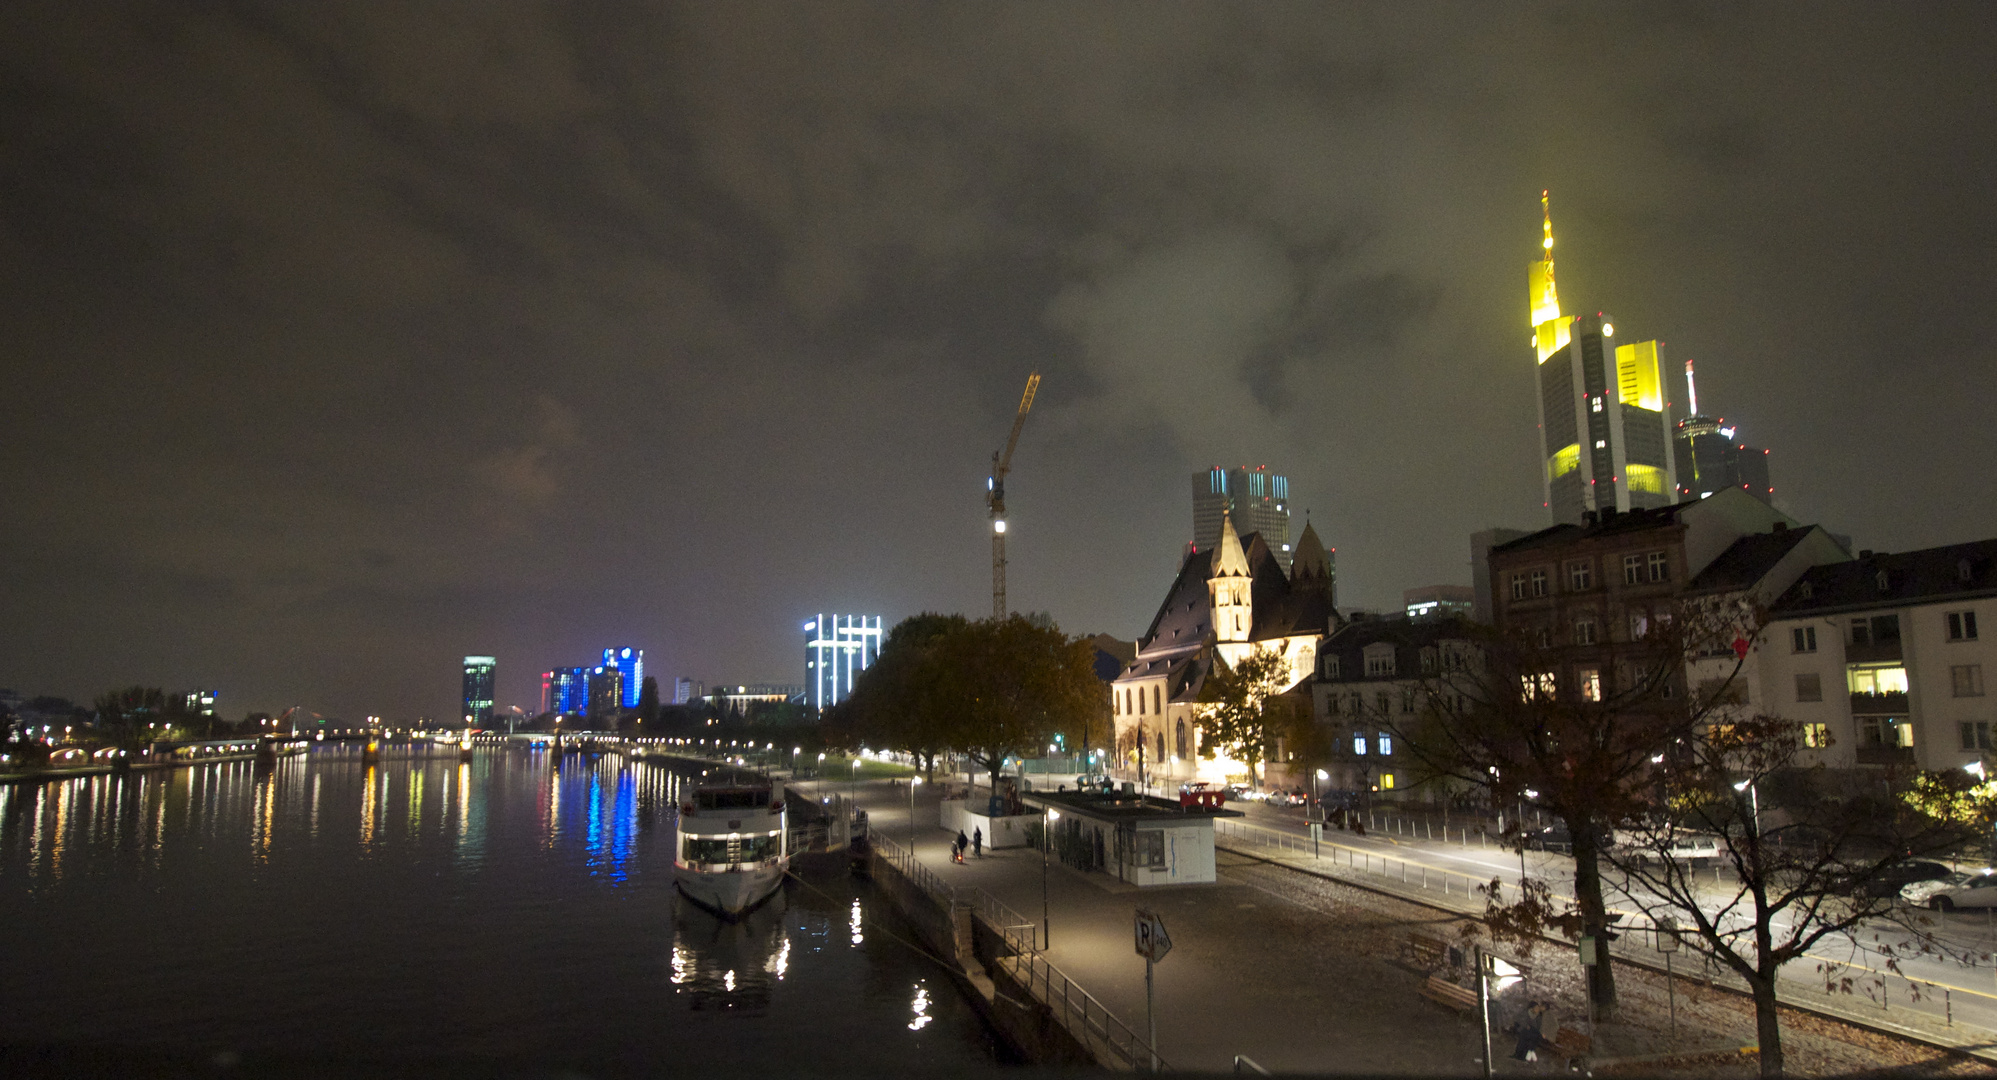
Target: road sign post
{"points": [[1667, 943], [1152, 944]]}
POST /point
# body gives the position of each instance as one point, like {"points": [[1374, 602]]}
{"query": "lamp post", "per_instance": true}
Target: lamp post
{"points": [[853, 784], [912, 781], [1317, 807], [1048, 815], [1754, 798]]}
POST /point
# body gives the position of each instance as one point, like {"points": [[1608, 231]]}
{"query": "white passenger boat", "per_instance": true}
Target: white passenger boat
{"points": [[732, 845]]}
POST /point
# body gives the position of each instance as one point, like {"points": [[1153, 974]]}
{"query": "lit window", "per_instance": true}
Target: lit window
{"points": [[1591, 684], [1601, 444], [1817, 736], [1386, 781], [1359, 744], [1386, 745], [1877, 680]]}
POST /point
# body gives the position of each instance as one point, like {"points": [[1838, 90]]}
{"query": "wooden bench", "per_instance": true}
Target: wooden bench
{"points": [[1443, 992], [1429, 953]]}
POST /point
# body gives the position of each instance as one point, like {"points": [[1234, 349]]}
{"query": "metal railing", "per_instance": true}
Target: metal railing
{"points": [[1449, 882], [1111, 1041]]}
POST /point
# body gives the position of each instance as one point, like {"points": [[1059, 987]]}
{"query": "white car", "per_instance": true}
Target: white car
{"points": [[1979, 892], [1918, 893]]}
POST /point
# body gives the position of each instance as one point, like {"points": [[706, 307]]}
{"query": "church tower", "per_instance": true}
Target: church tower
{"points": [[1313, 568], [1230, 592]]}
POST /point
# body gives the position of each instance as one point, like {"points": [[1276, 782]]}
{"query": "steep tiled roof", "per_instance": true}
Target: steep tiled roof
{"points": [[1409, 636], [1628, 521], [1931, 575]]}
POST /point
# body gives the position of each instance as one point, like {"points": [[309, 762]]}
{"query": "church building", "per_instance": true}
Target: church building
{"points": [[1229, 601]]}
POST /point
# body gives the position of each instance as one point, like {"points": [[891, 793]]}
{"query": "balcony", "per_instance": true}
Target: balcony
{"points": [[1885, 755], [1872, 652], [1891, 704]]}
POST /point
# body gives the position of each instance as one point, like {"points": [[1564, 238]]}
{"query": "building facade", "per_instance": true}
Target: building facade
{"points": [[1227, 603], [629, 663], [687, 690], [479, 671], [565, 691], [1710, 458], [836, 649], [1375, 675], [1883, 658], [749, 699], [1604, 423], [1256, 500]]}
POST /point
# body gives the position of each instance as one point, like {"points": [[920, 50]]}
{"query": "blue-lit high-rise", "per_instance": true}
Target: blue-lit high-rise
{"points": [[629, 663], [836, 649], [478, 690]]}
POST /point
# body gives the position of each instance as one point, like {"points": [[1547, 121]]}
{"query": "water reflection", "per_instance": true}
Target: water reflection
{"points": [[723, 965]]}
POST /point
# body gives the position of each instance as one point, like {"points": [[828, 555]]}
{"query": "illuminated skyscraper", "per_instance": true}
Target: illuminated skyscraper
{"points": [[629, 663], [478, 690], [1604, 423], [565, 691], [1709, 456], [836, 649], [1258, 500]]}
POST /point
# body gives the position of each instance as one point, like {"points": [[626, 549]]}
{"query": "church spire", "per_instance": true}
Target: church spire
{"points": [[1230, 595]]}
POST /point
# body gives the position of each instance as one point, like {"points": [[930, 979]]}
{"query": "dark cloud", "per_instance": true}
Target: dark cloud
{"points": [[343, 340]]}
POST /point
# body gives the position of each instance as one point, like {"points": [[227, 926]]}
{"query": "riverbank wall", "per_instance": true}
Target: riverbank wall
{"points": [[1042, 1017]]}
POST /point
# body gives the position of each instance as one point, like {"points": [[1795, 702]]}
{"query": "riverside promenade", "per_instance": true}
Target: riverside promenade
{"points": [[1252, 972]]}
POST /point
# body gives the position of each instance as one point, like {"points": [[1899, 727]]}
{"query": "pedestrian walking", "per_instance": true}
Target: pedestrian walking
{"points": [[978, 843], [962, 843]]}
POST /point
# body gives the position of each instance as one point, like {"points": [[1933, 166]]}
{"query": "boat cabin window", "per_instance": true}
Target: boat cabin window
{"points": [[700, 849], [758, 848], [740, 799]]}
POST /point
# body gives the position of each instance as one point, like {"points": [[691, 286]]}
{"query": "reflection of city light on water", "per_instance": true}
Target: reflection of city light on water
{"points": [[679, 965], [779, 961], [857, 936], [728, 982], [921, 1006]]}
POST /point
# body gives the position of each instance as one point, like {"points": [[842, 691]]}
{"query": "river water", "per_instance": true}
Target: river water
{"points": [[511, 910]]}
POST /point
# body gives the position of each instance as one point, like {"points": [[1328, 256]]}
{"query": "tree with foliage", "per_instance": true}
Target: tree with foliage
{"points": [[1241, 712], [1013, 684], [1801, 868], [648, 701], [134, 716], [904, 701]]}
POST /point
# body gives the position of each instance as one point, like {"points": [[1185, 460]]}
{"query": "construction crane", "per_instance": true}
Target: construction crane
{"points": [[995, 496]]}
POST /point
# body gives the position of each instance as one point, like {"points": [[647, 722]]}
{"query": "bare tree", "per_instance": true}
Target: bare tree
{"points": [[1519, 716], [1804, 871]]}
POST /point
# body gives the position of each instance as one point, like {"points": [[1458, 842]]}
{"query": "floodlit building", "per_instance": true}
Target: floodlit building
{"points": [[565, 691], [748, 699], [836, 649], [1257, 500], [1227, 603], [629, 663], [686, 690], [1604, 422], [606, 692], [478, 690], [201, 702]]}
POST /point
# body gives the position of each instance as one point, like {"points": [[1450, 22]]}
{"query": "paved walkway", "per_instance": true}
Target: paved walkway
{"points": [[1252, 971]]}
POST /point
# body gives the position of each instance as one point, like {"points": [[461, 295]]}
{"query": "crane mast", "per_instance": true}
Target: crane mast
{"points": [[995, 496]]}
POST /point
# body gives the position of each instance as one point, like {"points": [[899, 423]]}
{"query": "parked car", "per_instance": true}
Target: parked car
{"points": [[1893, 878], [1698, 850], [1292, 797], [1550, 838], [1918, 893], [1979, 891]]}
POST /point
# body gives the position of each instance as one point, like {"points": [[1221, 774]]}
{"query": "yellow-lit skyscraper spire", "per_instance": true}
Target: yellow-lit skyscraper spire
{"points": [[1549, 330]]}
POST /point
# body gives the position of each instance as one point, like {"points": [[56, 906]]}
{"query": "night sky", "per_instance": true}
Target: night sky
{"points": [[339, 340]]}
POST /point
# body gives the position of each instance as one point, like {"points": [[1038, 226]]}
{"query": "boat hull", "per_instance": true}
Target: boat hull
{"points": [[730, 893]]}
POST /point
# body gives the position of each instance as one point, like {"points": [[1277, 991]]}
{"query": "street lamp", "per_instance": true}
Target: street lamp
{"points": [[912, 782], [1317, 808], [1048, 815], [1754, 795]]}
